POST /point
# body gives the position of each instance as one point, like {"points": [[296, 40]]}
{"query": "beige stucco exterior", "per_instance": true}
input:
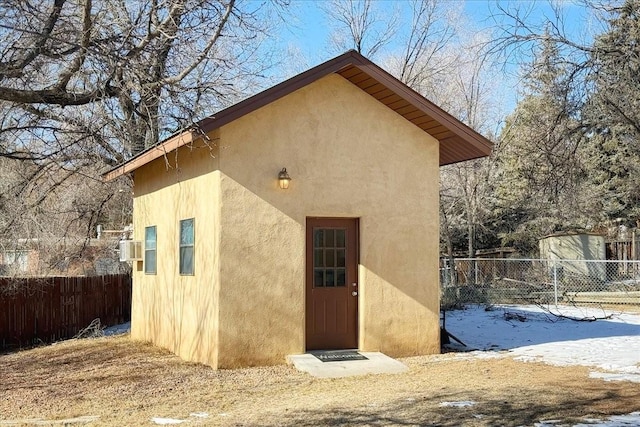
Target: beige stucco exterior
{"points": [[349, 156]]}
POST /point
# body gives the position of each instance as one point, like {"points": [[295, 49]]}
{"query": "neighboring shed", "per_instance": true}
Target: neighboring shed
{"points": [[239, 271], [580, 248]]}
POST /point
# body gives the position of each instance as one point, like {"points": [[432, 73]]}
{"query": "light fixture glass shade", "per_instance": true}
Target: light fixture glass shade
{"points": [[284, 179]]}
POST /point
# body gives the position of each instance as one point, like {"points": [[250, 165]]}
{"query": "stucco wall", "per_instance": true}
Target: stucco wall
{"points": [[349, 156], [173, 311]]}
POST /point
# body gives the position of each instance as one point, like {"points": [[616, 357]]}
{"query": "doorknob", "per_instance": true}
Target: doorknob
{"points": [[354, 293]]}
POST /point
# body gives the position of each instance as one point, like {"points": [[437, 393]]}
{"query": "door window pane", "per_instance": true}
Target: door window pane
{"points": [[341, 260], [318, 277], [329, 241], [341, 278], [329, 278], [329, 257]]}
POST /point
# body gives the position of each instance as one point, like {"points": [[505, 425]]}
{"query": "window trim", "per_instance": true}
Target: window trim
{"points": [[181, 246], [154, 250]]}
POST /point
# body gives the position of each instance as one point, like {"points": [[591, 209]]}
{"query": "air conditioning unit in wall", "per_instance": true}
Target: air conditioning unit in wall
{"points": [[130, 250]]}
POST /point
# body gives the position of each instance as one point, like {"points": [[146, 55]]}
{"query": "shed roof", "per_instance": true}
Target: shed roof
{"points": [[570, 233], [458, 142]]}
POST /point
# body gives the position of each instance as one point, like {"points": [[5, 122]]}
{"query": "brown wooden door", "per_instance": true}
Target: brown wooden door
{"points": [[332, 283]]}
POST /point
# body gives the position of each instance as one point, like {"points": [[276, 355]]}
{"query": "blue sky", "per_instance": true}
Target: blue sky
{"points": [[308, 34], [311, 30]]}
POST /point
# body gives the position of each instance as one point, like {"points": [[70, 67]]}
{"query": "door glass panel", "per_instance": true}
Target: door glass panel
{"points": [[318, 277], [329, 278], [329, 241], [329, 257], [341, 277]]}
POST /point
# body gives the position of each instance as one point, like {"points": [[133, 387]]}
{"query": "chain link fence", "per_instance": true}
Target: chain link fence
{"points": [[538, 281]]}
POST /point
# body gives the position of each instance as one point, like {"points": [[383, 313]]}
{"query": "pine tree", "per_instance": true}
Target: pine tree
{"points": [[612, 113], [539, 170]]}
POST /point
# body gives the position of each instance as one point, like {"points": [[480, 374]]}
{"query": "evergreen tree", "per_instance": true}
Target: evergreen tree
{"points": [[612, 113], [539, 170]]}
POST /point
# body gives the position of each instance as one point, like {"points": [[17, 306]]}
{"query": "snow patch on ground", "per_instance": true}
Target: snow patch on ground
{"points": [[628, 420], [461, 404], [117, 329], [609, 345], [199, 415], [632, 419], [166, 421], [607, 376]]}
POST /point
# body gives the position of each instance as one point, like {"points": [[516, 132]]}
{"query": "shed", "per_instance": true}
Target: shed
{"points": [[239, 271], [579, 252]]}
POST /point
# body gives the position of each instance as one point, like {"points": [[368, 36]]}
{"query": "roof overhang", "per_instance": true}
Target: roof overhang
{"points": [[458, 142]]}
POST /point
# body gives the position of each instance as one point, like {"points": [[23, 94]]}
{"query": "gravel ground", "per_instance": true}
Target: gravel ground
{"points": [[128, 383]]}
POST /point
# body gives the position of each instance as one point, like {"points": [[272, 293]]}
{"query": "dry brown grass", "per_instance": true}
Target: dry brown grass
{"points": [[127, 383]]}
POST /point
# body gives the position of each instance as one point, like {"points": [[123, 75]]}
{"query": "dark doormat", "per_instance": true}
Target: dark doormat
{"points": [[338, 355]]}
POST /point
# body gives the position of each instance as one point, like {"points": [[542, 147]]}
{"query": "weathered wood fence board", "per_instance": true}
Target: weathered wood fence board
{"points": [[34, 310]]}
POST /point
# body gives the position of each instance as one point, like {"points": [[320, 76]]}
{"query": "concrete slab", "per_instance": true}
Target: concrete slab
{"points": [[376, 363]]}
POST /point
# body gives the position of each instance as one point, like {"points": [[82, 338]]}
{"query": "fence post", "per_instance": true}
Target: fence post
{"points": [[555, 282], [475, 266]]}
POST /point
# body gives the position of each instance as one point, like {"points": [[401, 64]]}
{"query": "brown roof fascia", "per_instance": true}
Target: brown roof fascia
{"points": [[173, 143], [446, 162], [437, 113]]}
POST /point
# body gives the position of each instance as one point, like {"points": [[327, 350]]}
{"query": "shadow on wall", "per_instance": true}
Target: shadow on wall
{"points": [[262, 315]]}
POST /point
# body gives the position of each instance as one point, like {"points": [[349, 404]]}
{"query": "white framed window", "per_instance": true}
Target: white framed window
{"points": [[150, 250], [187, 244]]}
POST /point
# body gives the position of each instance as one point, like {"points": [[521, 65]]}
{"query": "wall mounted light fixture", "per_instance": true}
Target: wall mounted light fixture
{"points": [[284, 179]]}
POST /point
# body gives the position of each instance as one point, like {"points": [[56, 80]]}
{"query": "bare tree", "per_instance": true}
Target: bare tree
{"points": [[121, 74], [48, 216], [86, 84], [360, 25], [469, 93], [426, 45]]}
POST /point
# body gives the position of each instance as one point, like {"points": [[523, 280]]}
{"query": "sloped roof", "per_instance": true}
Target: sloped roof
{"points": [[458, 142]]}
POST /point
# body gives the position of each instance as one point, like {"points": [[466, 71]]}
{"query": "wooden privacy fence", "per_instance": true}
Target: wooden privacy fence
{"points": [[34, 310]]}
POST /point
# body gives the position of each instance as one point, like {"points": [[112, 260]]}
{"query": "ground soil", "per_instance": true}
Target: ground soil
{"points": [[127, 383]]}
